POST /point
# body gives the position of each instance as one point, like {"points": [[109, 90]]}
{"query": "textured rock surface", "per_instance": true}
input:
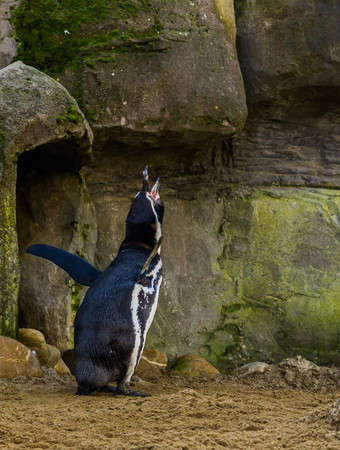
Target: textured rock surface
{"points": [[16, 360], [191, 298], [281, 262], [8, 47], [35, 111], [35, 341], [53, 355], [250, 250], [287, 44], [289, 54], [155, 357], [47, 354], [53, 208], [334, 415], [240, 265], [193, 366], [153, 73], [61, 368], [152, 363]]}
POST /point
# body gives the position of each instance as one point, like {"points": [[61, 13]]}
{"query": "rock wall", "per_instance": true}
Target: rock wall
{"points": [[251, 228], [160, 73], [289, 53], [8, 46]]}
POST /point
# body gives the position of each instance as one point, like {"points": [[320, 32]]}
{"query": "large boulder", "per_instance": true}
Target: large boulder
{"points": [[35, 111], [16, 360], [153, 73], [38, 111]]}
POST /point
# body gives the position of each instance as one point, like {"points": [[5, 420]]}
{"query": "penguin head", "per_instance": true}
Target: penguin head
{"points": [[144, 221]]}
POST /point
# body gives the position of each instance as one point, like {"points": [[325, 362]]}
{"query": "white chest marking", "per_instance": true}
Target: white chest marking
{"points": [[159, 230], [140, 333]]}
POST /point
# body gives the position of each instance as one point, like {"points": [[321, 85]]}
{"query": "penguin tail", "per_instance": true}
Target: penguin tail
{"points": [[80, 270]]}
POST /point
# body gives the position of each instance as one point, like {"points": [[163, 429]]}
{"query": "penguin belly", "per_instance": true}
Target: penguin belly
{"points": [[143, 308], [112, 322]]}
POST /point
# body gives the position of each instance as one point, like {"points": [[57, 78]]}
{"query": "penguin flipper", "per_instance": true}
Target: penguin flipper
{"points": [[80, 270]]}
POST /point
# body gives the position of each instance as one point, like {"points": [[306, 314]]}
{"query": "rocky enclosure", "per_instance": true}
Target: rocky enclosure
{"points": [[251, 248]]}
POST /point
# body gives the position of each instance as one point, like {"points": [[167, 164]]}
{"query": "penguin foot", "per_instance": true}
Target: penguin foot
{"points": [[85, 390], [111, 389], [137, 394], [124, 389]]}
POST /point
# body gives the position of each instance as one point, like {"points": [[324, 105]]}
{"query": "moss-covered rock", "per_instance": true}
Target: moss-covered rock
{"points": [[51, 42], [8, 47], [30, 104], [9, 261], [193, 366], [281, 264], [145, 72]]}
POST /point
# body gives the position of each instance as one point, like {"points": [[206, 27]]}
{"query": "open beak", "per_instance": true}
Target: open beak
{"points": [[146, 187], [155, 189]]}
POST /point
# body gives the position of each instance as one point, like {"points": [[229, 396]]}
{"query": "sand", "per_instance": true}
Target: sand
{"points": [[203, 413]]}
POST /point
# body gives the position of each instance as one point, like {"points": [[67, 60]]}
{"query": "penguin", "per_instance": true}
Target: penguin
{"points": [[112, 321]]}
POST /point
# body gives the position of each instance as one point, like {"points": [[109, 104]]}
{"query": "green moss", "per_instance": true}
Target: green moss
{"points": [[281, 261], [9, 264], [71, 115], [205, 122], [226, 14], [89, 114], [53, 33], [77, 294], [2, 135]]}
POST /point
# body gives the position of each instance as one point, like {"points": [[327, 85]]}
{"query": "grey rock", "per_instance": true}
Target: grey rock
{"points": [[286, 45], [181, 87], [35, 112], [289, 54], [254, 367], [8, 46], [53, 208]]}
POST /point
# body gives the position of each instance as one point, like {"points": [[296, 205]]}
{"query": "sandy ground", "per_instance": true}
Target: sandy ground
{"points": [[211, 412]]}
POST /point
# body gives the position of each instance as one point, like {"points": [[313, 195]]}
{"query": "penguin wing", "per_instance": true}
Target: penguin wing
{"points": [[80, 270]]}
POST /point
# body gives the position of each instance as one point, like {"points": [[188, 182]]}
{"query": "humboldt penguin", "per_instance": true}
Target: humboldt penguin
{"points": [[112, 321]]}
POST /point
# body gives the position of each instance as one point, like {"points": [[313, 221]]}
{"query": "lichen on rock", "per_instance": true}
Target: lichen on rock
{"points": [[281, 261]]}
